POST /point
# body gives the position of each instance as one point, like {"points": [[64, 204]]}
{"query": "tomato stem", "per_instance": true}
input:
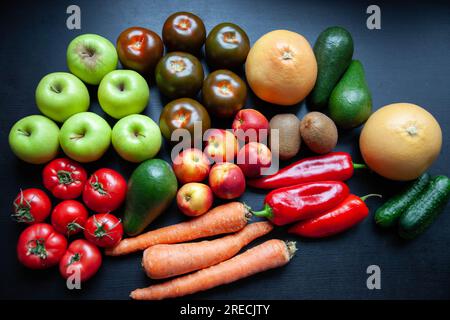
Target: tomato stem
{"points": [[22, 210], [38, 249], [98, 186], [75, 258], [64, 177]]}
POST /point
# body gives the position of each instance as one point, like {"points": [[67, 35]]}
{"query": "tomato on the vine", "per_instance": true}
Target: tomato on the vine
{"points": [[105, 190], [31, 206], [64, 178], [103, 230], [40, 246], [82, 257], [69, 217]]}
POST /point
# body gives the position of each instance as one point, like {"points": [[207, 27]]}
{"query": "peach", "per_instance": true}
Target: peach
{"points": [[194, 199], [227, 180], [247, 125], [221, 145], [191, 165], [252, 158]]}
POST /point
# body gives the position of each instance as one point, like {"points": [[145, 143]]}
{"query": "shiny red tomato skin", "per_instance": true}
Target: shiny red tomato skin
{"points": [[105, 190], [64, 178], [104, 230], [139, 49], [69, 217], [40, 246], [31, 206], [83, 256]]}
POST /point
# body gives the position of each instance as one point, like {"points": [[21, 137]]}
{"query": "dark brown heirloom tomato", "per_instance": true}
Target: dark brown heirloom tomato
{"points": [[223, 93], [183, 113], [184, 31], [179, 74], [227, 46], [139, 49]]}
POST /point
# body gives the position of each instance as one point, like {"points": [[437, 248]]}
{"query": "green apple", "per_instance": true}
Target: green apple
{"points": [[136, 138], [34, 139], [90, 57], [85, 137], [123, 92], [60, 95]]}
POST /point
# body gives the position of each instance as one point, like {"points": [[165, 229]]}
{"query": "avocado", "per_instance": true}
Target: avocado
{"points": [[351, 102], [333, 50], [151, 189]]}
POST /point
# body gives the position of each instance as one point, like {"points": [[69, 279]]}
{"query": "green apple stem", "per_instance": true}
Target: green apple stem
{"points": [[55, 89], [25, 133]]}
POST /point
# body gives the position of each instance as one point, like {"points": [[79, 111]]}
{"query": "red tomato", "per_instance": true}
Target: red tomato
{"points": [[83, 257], [69, 217], [31, 206], [105, 190], [40, 246], [103, 230], [64, 178]]}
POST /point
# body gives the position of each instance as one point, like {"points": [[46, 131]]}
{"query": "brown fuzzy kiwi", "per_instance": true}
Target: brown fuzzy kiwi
{"points": [[289, 138], [318, 132]]}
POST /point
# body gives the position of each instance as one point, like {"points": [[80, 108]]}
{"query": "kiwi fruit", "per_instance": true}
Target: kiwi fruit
{"points": [[288, 126], [318, 132]]}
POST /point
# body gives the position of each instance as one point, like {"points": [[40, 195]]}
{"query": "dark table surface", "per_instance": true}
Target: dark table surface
{"points": [[406, 61]]}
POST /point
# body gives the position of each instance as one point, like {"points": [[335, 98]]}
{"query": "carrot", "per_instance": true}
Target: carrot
{"points": [[226, 218], [271, 254], [168, 260]]}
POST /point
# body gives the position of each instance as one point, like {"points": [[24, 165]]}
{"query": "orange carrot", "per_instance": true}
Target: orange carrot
{"points": [[168, 260], [227, 218], [271, 254]]}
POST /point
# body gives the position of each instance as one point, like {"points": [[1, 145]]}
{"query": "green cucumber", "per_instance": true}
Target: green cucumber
{"points": [[388, 214], [425, 208]]}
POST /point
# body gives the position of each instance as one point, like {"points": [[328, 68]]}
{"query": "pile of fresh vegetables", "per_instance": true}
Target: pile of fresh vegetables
{"points": [[310, 194]]}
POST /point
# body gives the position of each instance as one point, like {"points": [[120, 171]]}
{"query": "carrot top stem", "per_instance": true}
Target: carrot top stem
{"points": [[292, 248], [248, 212], [265, 213], [371, 195]]}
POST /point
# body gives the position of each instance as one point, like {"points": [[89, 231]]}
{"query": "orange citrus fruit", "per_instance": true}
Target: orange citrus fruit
{"points": [[400, 141], [281, 67]]}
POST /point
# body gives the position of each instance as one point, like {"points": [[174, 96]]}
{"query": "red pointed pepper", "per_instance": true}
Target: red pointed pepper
{"points": [[332, 166], [348, 213], [303, 201]]}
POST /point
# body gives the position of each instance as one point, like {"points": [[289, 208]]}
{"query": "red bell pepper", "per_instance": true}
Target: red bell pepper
{"points": [[64, 178], [303, 201], [348, 213], [332, 166]]}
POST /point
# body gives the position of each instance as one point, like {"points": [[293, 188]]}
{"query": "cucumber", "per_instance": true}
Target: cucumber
{"points": [[388, 214], [425, 208]]}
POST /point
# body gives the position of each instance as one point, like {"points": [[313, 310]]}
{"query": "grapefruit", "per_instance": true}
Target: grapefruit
{"points": [[281, 67], [400, 141]]}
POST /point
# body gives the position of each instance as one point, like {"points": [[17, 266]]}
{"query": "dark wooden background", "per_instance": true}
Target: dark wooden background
{"points": [[406, 61]]}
